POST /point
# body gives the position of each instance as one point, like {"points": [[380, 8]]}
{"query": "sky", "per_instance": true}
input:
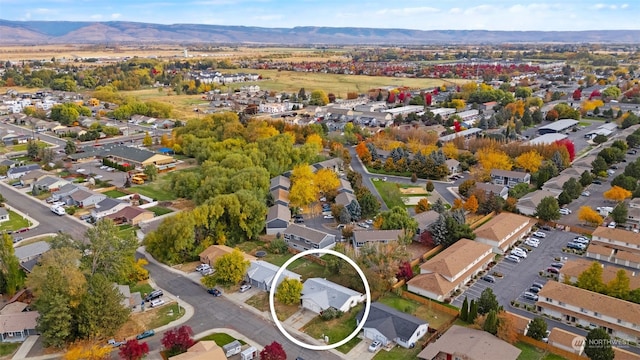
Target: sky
{"points": [[420, 15]]}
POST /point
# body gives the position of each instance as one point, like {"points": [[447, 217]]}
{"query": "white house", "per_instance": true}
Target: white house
{"points": [[389, 325], [320, 294]]}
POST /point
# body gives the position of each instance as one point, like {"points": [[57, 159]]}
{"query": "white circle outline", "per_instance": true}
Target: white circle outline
{"points": [[273, 309]]}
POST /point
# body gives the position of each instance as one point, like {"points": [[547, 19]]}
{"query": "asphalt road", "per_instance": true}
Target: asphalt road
{"points": [[213, 312], [40, 211]]}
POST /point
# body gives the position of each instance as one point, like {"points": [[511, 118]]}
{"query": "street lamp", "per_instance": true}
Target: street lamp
{"points": [[179, 308]]}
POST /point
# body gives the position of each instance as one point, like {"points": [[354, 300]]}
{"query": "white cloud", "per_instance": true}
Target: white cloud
{"points": [[45, 11], [407, 11], [624, 6], [601, 6], [479, 9], [116, 15], [455, 10]]}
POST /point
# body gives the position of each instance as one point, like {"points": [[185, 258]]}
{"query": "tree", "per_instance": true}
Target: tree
{"points": [[471, 205], [11, 277], [151, 171], [530, 161], [429, 186], [548, 209], [464, 311], [598, 345], [487, 302], [70, 147], [491, 159], [438, 206], [599, 166], [363, 153], [591, 279], [586, 178], [405, 272], [619, 286], [133, 350], [616, 193], [289, 291], [55, 323], [398, 218], [326, 180], [466, 187], [100, 313], [177, 341], [590, 216], [32, 149], [473, 311], [599, 139], [491, 322], [147, 140], [573, 188], [273, 351], [620, 213], [231, 268], [506, 328], [537, 328], [82, 351], [108, 253], [422, 206]]}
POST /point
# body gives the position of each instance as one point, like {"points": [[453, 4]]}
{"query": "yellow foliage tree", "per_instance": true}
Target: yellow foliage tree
{"points": [[450, 150], [315, 139], [93, 102], [616, 193], [88, 352], [148, 140], [326, 180], [457, 204], [590, 105], [530, 161], [138, 272], [590, 216], [471, 205], [459, 104], [493, 159], [166, 141]]}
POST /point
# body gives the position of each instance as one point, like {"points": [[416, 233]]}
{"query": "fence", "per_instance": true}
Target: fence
{"points": [[550, 348], [432, 304]]}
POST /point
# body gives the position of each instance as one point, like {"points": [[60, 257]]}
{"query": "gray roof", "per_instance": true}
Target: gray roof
{"points": [[314, 236], [335, 162], [376, 235], [345, 184], [3, 211], [34, 249], [68, 188], [392, 323], [262, 271], [6, 162], [559, 125], [467, 132], [49, 180], [509, 173], [278, 211], [345, 198], [81, 195], [426, 218], [117, 150], [107, 204], [23, 169], [327, 294], [280, 181], [488, 187]]}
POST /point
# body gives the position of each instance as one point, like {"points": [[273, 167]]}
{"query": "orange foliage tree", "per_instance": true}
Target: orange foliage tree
{"points": [[471, 205], [616, 193], [363, 153]]}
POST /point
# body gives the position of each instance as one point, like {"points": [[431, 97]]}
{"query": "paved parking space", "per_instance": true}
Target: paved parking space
{"points": [[518, 277]]}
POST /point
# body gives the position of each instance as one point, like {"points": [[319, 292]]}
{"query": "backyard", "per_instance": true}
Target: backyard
{"points": [[159, 210], [15, 222], [530, 352], [393, 193], [398, 352], [434, 317], [221, 339], [336, 330], [114, 194], [260, 301]]}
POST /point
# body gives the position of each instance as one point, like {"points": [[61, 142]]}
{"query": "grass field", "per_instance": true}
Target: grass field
{"points": [[398, 353], [15, 222], [530, 352], [165, 315], [114, 194], [261, 302], [221, 339], [390, 193], [8, 348], [159, 210], [336, 329], [433, 316], [142, 287]]}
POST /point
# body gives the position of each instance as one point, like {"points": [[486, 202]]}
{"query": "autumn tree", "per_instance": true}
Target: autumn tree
{"points": [[471, 205], [273, 351], [303, 190], [363, 153], [326, 180], [619, 287], [457, 204], [318, 97], [147, 140], [11, 277], [82, 351], [491, 159], [616, 193], [288, 292], [590, 216], [529, 161], [422, 206], [231, 268], [133, 350], [177, 341], [591, 279], [506, 328], [405, 272]]}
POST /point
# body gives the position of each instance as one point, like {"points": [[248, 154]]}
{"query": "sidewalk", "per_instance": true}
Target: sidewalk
{"points": [[33, 223]]}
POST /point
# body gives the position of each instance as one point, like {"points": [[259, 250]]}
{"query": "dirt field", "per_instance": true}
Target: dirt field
{"points": [[413, 191]]}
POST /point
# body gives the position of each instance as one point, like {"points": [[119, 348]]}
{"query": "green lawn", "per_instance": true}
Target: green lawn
{"points": [[8, 348], [434, 317], [15, 222], [260, 301], [23, 147], [153, 191], [390, 193], [142, 287], [126, 230], [114, 194], [530, 352], [398, 352], [336, 329], [159, 210], [165, 315], [221, 339]]}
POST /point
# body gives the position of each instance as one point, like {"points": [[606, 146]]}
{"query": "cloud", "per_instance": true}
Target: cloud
{"points": [[408, 11], [116, 16], [268, 17], [601, 6], [455, 10], [96, 17], [480, 9], [45, 11]]}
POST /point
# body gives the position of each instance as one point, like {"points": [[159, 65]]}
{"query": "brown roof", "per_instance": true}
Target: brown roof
{"points": [[455, 258], [280, 194], [128, 212], [18, 321], [202, 350], [501, 225], [562, 337], [13, 308], [617, 235], [519, 322], [376, 235], [470, 344], [589, 300], [627, 255], [534, 198], [596, 248], [426, 218], [508, 173], [573, 269], [213, 252]]}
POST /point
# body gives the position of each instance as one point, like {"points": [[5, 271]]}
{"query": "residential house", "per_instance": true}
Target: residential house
{"points": [[48, 183], [617, 239], [320, 294], [350, 202], [85, 198], [345, 186], [107, 206], [527, 204], [261, 275], [280, 182], [278, 219], [460, 342], [214, 252], [449, 270], [503, 230], [584, 163], [555, 184], [6, 162], [32, 176], [280, 197], [16, 323], [566, 340], [361, 238], [334, 164], [589, 309], [616, 256], [509, 178], [302, 238], [425, 220], [573, 268], [633, 212], [129, 300], [202, 350], [132, 215], [66, 191], [389, 325], [19, 171], [496, 190], [453, 165], [4, 214], [29, 255]]}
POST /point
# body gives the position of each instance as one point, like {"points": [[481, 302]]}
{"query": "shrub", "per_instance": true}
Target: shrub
{"points": [[278, 246], [330, 314]]}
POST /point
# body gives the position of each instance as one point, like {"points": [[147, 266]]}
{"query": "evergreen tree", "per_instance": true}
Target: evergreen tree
{"points": [[473, 311], [598, 345], [100, 313], [491, 323], [487, 302], [537, 328], [464, 311]]}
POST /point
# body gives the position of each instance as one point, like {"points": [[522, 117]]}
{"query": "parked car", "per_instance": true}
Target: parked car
{"points": [[537, 285], [612, 225], [553, 270], [375, 346], [488, 278], [546, 228], [597, 182], [557, 265], [534, 290], [532, 243], [153, 295], [328, 216], [530, 296], [115, 343], [207, 272], [581, 240], [368, 222], [145, 334], [215, 292], [512, 258], [576, 246], [540, 234], [363, 225], [586, 193], [565, 211], [298, 221], [202, 267], [156, 303], [245, 288]]}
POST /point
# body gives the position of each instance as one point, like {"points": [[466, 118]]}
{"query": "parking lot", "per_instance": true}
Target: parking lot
{"points": [[518, 277], [115, 177]]}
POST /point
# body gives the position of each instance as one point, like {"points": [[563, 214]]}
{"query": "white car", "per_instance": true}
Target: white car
{"points": [[532, 243], [565, 211], [156, 302], [81, 170], [512, 258], [328, 216], [375, 346], [203, 267], [540, 234], [519, 253]]}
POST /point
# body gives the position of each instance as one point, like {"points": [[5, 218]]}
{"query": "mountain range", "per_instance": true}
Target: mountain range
{"points": [[122, 32]]}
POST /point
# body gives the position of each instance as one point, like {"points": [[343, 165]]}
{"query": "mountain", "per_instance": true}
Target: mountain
{"points": [[122, 32]]}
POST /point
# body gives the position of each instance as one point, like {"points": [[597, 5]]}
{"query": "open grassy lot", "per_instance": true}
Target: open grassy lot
{"points": [[114, 194], [221, 339], [157, 189], [159, 210], [142, 287], [398, 353], [530, 352], [434, 317], [336, 329], [23, 147], [261, 302], [390, 193], [15, 222], [165, 315]]}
